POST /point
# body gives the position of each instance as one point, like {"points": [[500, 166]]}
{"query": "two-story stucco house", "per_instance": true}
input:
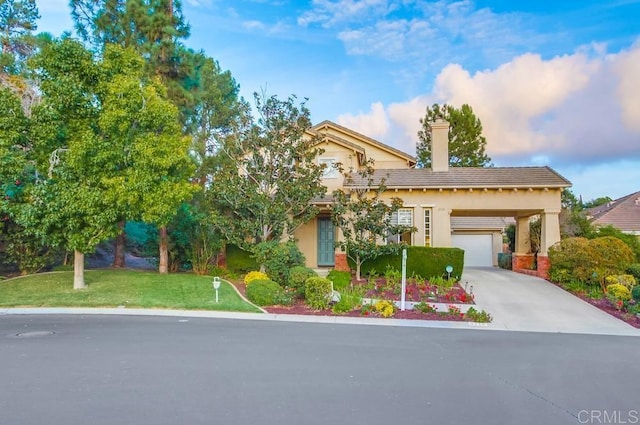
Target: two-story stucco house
{"points": [[437, 198]]}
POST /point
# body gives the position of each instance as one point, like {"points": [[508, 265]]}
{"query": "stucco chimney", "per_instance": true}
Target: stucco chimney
{"points": [[440, 145]]}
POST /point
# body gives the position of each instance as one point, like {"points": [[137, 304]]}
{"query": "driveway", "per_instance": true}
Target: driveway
{"points": [[526, 303]]}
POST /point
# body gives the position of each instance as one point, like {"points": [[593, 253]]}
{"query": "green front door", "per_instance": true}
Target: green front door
{"points": [[326, 250]]}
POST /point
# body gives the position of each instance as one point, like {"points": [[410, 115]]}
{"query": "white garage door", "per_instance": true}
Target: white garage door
{"points": [[478, 249]]}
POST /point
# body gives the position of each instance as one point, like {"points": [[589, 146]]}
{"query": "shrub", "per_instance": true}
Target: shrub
{"points": [[610, 255], [254, 275], [588, 261], [421, 261], [618, 292], [317, 292], [441, 282], [340, 279], [635, 293], [267, 292], [239, 260], [569, 260], [634, 270], [505, 261], [478, 316], [278, 259], [425, 307], [350, 299], [631, 241], [392, 276], [385, 308], [453, 310], [298, 275], [626, 280]]}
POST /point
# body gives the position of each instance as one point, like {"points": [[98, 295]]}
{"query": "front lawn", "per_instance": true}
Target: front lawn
{"points": [[114, 288]]}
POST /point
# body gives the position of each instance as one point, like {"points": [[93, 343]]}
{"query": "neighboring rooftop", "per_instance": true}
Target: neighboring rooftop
{"points": [[622, 213], [468, 177]]}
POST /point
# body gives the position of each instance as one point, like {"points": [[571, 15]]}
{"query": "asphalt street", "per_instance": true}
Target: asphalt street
{"points": [[75, 369]]}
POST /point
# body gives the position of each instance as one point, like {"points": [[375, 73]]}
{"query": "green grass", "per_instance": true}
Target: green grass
{"points": [[113, 288]]}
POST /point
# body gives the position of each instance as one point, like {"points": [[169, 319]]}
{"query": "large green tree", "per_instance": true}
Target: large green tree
{"points": [[466, 142], [363, 216], [269, 176], [205, 95], [17, 23], [107, 140]]}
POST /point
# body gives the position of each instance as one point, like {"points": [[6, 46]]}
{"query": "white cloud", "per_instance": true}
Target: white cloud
{"points": [[422, 32], [627, 68], [253, 25], [579, 108], [329, 13], [373, 124]]}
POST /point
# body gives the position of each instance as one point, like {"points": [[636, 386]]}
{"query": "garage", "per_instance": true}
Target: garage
{"points": [[478, 249]]}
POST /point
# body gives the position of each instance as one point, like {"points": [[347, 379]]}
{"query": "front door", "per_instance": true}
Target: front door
{"points": [[326, 250]]}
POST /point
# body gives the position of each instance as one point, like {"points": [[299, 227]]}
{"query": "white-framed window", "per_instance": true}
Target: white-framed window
{"points": [[427, 227], [330, 171], [402, 217]]}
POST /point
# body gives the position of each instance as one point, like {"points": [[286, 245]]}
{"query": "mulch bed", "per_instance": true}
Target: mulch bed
{"points": [[604, 305], [417, 291], [299, 307]]}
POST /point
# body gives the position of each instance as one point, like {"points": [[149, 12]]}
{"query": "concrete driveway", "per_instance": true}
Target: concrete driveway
{"points": [[526, 303]]}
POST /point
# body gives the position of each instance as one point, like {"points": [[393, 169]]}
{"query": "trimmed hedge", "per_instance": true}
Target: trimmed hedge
{"points": [[239, 260], [422, 261]]}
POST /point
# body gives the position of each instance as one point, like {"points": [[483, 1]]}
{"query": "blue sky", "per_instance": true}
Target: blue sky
{"points": [[554, 82]]}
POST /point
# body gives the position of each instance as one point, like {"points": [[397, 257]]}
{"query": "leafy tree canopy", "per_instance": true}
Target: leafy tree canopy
{"points": [[364, 217], [466, 142], [265, 185]]}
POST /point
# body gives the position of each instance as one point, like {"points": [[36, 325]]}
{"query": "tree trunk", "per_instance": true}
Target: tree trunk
{"points": [[121, 239], [164, 251], [358, 264], [78, 270]]}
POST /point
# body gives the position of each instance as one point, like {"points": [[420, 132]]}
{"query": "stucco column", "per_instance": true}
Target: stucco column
{"points": [[523, 245], [550, 230], [441, 227]]}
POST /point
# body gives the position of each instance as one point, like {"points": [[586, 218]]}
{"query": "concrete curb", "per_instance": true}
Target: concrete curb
{"points": [[339, 320], [249, 316]]}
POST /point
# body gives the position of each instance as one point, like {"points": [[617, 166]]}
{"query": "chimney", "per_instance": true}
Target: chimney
{"points": [[440, 145]]}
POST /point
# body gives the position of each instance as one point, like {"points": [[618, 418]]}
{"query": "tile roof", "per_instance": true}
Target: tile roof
{"points": [[622, 213], [469, 177]]}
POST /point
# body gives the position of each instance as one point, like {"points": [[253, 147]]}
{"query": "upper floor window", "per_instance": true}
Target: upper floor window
{"points": [[330, 171], [402, 217]]}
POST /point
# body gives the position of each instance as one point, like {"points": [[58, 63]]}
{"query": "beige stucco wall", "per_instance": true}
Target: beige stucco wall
{"points": [[384, 159], [443, 204], [307, 240]]}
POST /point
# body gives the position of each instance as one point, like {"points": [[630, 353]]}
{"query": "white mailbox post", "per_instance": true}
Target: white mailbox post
{"points": [[216, 286]]}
